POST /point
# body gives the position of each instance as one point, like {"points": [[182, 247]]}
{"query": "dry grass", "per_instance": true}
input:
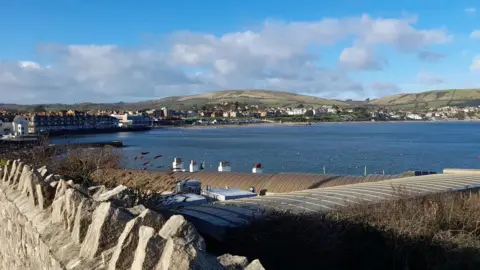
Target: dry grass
{"points": [[136, 179], [78, 164], [439, 232]]}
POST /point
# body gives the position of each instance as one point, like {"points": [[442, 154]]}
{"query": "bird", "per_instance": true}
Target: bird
{"points": [[135, 158], [146, 163], [161, 166], [159, 156], [145, 153]]}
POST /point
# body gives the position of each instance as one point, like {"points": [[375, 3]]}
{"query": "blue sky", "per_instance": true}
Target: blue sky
{"points": [[101, 51]]}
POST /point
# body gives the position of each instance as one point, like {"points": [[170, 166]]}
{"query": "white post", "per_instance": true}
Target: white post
{"points": [[324, 169], [224, 166], [193, 166], [177, 164], [365, 173], [383, 172]]}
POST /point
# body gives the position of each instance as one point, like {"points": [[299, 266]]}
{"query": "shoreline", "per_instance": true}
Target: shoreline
{"points": [[291, 124]]}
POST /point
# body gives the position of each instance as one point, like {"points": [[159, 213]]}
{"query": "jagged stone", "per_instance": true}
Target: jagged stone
{"points": [[45, 194], [179, 255], [83, 218], [29, 187], [18, 173], [70, 183], [178, 226], [49, 178], [73, 198], [150, 247], [232, 262], [6, 171], [54, 184], [255, 265], [137, 209], [61, 188], [58, 210], [12, 171], [96, 190], [120, 195], [25, 171], [123, 257], [107, 225], [43, 171]]}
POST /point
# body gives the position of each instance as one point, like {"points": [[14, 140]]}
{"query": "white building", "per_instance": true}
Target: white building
{"points": [[19, 126], [413, 116]]}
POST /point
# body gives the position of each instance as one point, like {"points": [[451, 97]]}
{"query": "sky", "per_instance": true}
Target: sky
{"points": [[72, 51]]}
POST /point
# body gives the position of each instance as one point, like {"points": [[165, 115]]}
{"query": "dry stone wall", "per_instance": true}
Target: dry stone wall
{"points": [[47, 222]]}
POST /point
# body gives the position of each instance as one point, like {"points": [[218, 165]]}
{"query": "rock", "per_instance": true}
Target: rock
{"points": [[177, 226], [54, 184], [61, 188], [12, 171], [43, 171], [107, 225], [70, 183], [178, 255], [150, 247], [45, 194], [29, 187], [137, 209], [58, 210], [25, 171], [232, 262], [6, 171], [96, 190], [123, 257], [120, 195], [255, 265], [18, 173], [50, 178], [83, 218], [73, 198]]}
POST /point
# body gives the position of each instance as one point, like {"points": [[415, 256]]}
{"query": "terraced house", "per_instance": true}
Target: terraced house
{"points": [[70, 120]]}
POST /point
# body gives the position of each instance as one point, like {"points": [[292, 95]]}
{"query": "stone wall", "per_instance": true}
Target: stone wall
{"points": [[47, 222]]}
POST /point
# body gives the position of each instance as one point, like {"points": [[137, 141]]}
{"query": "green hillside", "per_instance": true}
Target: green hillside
{"points": [[434, 99], [251, 97]]}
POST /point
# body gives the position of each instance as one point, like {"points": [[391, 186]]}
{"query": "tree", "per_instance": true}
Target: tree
{"points": [[39, 109], [300, 106], [236, 105], [367, 99]]}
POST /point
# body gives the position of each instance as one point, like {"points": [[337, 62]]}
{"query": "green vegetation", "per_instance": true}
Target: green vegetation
{"points": [[436, 232], [434, 99]]}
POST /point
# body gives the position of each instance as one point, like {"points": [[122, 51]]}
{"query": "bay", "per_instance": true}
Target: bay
{"points": [[344, 148]]}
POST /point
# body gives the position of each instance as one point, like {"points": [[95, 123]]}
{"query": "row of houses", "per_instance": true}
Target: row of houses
{"points": [[72, 120]]}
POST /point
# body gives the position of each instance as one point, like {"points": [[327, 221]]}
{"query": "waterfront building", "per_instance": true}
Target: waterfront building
{"points": [[132, 120], [6, 127], [70, 121], [19, 126]]}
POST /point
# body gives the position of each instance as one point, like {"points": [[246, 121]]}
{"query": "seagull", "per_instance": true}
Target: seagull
{"points": [[159, 156], [145, 153]]}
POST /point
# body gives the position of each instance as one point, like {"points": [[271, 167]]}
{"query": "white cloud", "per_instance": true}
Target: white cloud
{"points": [[360, 59], [278, 55], [475, 66], [429, 78], [470, 10], [475, 34]]}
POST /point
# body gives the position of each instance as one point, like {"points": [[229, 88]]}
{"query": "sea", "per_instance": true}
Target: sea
{"points": [[337, 148]]}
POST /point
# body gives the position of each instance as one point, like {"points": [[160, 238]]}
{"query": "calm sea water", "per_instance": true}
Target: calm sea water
{"points": [[341, 148]]}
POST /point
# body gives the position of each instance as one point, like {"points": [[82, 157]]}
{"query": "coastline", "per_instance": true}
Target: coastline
{"points": [[287, 124]]}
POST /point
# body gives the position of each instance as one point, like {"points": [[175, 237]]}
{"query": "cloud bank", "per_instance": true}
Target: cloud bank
{"points": [[279, 55]]}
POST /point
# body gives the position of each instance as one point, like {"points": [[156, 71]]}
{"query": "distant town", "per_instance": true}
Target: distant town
{"points": [[41, 121]]}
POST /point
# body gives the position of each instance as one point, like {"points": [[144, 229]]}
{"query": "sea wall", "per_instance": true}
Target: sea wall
{"points": [[47, 222]]}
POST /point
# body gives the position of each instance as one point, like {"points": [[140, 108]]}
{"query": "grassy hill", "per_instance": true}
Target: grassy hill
{"points": [[437, 98], [251, 97]]}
